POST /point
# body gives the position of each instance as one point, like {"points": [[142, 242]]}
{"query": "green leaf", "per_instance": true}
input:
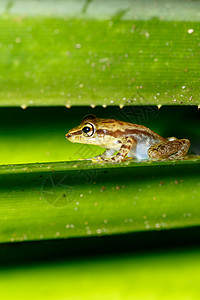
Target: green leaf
{"points": [[61, 200], [113, 60]]}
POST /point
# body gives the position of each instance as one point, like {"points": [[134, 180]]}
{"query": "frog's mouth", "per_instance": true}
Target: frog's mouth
{"points": [[70, 137]]}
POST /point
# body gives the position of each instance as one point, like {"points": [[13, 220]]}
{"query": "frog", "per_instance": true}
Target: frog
{"points": [[124, 140]]}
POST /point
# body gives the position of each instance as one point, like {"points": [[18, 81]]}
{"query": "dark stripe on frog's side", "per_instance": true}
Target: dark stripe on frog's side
{"points": [[128, 132], [144, 131]]}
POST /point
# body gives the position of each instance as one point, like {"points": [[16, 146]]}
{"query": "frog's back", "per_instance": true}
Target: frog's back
{"points": [[121, 129], [143, 136]]}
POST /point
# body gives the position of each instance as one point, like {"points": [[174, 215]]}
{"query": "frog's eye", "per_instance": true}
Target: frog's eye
{"points": [[88, 130]]}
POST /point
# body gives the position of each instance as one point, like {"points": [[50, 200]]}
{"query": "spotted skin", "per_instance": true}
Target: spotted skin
{"points": [[127, 139], [169, 150], [125, 148]]}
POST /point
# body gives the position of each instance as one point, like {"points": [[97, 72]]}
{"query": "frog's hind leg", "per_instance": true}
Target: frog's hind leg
{"points": [[170, 150]]}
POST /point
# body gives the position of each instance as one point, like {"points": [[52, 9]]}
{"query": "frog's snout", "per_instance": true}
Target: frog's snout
{"points": [[68, 135]]}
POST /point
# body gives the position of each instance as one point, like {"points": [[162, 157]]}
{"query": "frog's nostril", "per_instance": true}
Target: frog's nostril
{"points": [[68, 135]]}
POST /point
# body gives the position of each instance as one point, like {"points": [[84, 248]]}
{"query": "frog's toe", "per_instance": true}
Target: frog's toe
{"points": [[128, 158], [96, 159], [113, 159]]}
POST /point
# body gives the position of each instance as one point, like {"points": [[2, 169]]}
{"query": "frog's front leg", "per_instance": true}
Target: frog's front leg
{"points": [[169, 150], [108, 153], [127, 144]]}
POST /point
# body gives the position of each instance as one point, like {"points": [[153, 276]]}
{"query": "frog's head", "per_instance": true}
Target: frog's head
{"points": [[92, 130], [85, 133]]}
